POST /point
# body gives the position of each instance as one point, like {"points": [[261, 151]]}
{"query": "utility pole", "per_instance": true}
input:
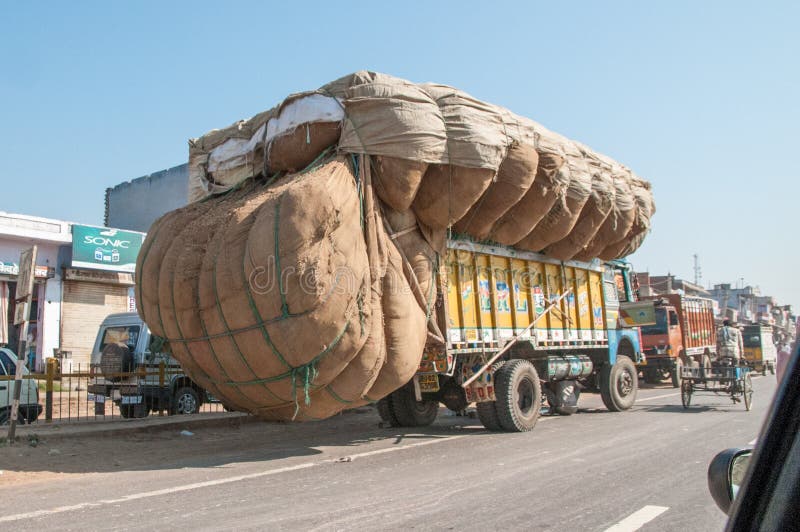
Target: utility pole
{"points": [[698, 273]]}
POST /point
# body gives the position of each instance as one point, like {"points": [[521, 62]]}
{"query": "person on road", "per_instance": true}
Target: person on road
{"points": [[784, 353], [729, 342]]}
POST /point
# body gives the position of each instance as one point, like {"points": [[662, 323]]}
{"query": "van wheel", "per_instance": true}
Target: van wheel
{"points": [[519, 395], [4, 416], [185, 401], [134, 411], [618, 384]]}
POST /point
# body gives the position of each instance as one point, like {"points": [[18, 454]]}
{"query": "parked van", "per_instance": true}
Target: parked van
{"points": [[127, 360]]}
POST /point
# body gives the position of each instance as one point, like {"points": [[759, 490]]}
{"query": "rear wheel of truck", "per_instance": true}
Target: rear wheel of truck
{"points": [[487, 413], [519, 395], [772, 368], [412, 413], [386, 411], [185, 401], [675, 374], [618, 384]]}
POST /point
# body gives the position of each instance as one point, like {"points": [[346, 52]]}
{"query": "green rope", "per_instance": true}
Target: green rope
{"points": [[276, 237], [333, 394]]}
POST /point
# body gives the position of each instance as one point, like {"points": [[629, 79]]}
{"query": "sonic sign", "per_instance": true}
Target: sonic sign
{"points": [[101, 248]]}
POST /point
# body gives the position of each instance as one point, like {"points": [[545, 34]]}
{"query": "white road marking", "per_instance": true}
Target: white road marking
{"points": [[209, 483], [638, 519], [657, 397]]}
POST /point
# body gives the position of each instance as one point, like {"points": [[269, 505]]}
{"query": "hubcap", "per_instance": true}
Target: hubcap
{"points": [[525, 395], [625, 383], [186, 404]]}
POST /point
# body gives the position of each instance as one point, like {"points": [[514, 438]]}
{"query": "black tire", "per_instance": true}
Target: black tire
{"points": [[410, 412], [487, 413], [772, 368], [5, 416], [386, 411], [747, 392], [185, 401], [675, 373], [619, 384], [519, 396], [134, 411], [652, 375], [686, 393]]}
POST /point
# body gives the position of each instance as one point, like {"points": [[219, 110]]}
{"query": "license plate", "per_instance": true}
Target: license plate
{"points": [[429, 383], [131, 399]]}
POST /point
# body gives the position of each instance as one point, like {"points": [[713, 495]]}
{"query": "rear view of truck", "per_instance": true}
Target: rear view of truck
{"points": [[683, 335]]}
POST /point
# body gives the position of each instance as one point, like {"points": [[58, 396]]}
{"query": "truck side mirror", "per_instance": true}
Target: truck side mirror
{"points": [[726, 474]]}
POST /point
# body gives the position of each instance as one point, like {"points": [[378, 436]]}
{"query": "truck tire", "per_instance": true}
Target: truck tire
{"points": [[386, 411], [675, 373], [772, 368], [185, 401], [134, 411], [487, 413], [410, 412], [618, 384], [519, 396]]}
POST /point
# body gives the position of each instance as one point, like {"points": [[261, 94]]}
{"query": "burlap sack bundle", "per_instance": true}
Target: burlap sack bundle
{"points": [[564, 214], [549, 185], [514, 178], [277, 302], [645, 209], [619, 221], [593, 213]]}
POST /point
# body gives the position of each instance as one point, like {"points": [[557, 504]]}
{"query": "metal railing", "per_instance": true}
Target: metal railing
{"points": [[58, 397]]}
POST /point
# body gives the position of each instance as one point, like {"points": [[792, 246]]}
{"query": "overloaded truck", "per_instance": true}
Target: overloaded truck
{"points": [[522, 325], [683, 335], [759, 348]]}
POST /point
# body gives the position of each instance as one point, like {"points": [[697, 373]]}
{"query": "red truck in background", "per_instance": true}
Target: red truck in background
{"points": [[684, 334]]}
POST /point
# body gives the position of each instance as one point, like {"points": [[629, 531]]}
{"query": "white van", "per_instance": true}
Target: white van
{"points": [[123, 346], [29, 407]]}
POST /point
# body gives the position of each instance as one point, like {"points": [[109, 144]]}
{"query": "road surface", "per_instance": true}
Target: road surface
{"points": [[594, 471]]}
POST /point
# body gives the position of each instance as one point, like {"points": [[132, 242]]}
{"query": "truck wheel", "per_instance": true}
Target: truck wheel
{"points": [[675, 374], [410, 412], [618, 384], [519, 395], [386, 411], [134, 411], [487, 413], [185, 401], [772, 368]]}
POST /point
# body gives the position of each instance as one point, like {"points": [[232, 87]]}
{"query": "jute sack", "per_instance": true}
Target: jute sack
{"points": [[565, 213], [293, 151], [594, 212], [645, 208], [619, 220], [548, 186], [397, 180], [515, 176], [447, 192]]}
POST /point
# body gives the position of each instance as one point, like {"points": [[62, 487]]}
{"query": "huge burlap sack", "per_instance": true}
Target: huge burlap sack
{"points": [[619, 220], [560, 220], [645, 209], [593, 213], [447, 192], [515, 176], [397, 180]]}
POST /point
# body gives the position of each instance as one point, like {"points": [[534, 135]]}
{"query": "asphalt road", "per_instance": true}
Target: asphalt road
{"points": [[590, 471]]}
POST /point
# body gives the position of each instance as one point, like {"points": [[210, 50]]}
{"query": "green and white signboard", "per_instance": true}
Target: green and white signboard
{"points": [[102, 248]]}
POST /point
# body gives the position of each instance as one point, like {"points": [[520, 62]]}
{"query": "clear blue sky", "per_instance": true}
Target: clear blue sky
{"points": [[701, 98]]}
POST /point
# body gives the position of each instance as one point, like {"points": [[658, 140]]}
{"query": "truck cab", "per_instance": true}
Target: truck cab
{"points": [[136, 371], [662, 342], [760, 352]]}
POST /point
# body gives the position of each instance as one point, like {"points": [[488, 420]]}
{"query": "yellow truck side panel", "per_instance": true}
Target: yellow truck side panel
{"points": [[494, 297]]}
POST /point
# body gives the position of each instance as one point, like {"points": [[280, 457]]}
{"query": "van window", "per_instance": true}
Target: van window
{"points": [[124, 335], [7, 367]]}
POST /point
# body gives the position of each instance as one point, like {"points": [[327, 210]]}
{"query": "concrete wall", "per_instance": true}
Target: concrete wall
{"points": [[135, 205]]}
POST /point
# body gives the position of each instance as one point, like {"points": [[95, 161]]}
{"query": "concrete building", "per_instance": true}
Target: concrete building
{"points": [[83, 273], [651, 285], [743, 301], [134, 205]]}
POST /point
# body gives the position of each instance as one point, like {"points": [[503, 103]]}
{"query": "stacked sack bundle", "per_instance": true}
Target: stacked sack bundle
{"points": [[302, 279]]}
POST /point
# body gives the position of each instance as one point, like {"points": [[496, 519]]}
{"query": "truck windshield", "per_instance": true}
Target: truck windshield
{"points": [[661, 323]]}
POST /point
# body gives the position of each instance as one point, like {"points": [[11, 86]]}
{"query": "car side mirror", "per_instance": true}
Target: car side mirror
{"points": [[726, 474]]}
